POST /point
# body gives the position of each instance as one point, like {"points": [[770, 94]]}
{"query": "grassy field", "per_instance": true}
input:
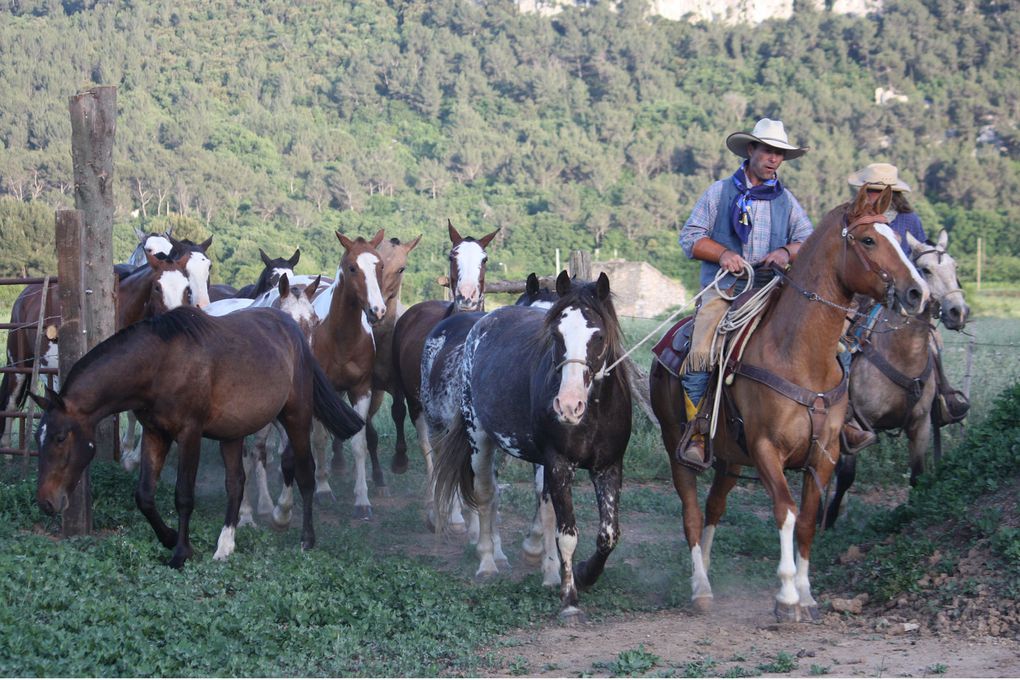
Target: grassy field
{"points": [[385, 598]]}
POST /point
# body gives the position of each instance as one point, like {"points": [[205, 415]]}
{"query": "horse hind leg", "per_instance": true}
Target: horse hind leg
{"points": [[285, 503], [320, 441], [232, 452], [372, 439], [260, 465], [131, 458], [246, 513], [11, 387], [540, 544]]}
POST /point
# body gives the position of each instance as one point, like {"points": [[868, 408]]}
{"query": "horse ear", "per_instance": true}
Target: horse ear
{"points": [[204, 245], [602, 286], [531, 285], [312, 287], [344, 241], [859, 203], [563, 284], [943, 240], [169, 232], [42, 402], [413, 244], [140, 235], [283, 286], [455, 236], [484, 241], [884, 199], [377, 239], [294, 258], [265, 258], [913, 243]]}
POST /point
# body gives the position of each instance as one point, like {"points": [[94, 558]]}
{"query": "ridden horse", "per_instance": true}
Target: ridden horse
{"points": [[536, 385], [151, 289], [893, 379], [790, 391], [188, 375], [345, 348], [467, 281]]}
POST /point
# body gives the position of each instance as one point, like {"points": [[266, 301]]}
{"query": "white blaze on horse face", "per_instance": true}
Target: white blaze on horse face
{"points": [[277, 273], [42, 435], [157, 244], [376, 302], [174, 284], [887, 232], [198, 276], [470, 260], [572, 399]]}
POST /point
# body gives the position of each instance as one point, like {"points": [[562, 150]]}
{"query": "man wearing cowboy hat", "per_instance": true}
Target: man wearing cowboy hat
{"points": [[902, 218], [749, 217]]}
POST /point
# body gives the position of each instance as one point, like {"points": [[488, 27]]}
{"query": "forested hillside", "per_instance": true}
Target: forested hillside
{"points": [[273, 123]]}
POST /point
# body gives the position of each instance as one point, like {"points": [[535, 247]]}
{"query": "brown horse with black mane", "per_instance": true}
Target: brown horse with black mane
{"points": [[790, 392], [187, 375]]}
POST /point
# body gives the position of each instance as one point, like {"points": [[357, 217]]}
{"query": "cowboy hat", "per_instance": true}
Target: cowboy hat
{"points": [[766, 131], [878, 176]]}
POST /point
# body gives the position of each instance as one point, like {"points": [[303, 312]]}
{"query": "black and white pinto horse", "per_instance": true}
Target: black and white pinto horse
{"points": [[537, 386]]}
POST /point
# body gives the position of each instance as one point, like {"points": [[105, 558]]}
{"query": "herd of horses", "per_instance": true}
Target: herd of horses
{"points": [[544, 381]]}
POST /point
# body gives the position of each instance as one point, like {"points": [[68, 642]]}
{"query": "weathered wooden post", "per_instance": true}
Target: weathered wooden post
{"points": [[77, 518], [580, 264], [93, 126]]}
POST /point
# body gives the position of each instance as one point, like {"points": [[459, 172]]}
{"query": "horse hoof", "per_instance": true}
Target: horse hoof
{"points": [[430, 524], [280, 523], [786, 613], [382, 490], [459, 529], [812, 614], [398, 465], [307, 544], [363, 512], [178, 559], [485, 576], [702, 605], [325, 497], [532, 559], [571, 616], [246, 521], [504, 565]]}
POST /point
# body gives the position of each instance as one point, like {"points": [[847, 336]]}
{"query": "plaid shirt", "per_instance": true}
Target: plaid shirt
{"points": [[706, 211]]}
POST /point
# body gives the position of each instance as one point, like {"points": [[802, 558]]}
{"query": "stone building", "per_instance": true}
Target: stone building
{"points": [[641, 290]]}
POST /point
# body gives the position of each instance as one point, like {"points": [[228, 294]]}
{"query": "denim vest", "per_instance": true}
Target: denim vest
{"points": [[724, 234]]}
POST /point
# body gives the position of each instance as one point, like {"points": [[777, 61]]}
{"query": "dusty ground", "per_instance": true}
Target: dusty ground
{"points": [[740, 637]]}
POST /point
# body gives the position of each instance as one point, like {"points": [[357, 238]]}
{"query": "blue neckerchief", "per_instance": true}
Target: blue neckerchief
{"points": [[740, 211]]}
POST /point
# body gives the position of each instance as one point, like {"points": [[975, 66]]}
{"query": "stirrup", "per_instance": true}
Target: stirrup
{"points": [[854, 438], [952, 406]]}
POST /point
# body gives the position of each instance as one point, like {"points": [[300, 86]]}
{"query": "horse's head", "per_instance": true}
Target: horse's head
{"points": [[874, 262], [467, 269], [66, 447], [361, 268], [275, 269], [296, 302], [394, 258], [170, 287], [585, 338], [939, 271], [535, 295], [198, 267], [153, 243]]}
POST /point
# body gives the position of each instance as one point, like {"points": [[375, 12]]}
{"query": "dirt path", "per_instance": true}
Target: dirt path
{"points": [[740, 637]]}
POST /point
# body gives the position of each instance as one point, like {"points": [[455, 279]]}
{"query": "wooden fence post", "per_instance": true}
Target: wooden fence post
{"points": [[77, 518], [93, 125], [580, 264]]}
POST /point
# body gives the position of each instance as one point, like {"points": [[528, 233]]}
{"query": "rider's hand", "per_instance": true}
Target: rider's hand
{"points": [[780, 257], [732, 262]]}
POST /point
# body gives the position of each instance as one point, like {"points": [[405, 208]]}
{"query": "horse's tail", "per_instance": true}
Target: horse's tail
{"points": [[330, 408], [452, 471]]}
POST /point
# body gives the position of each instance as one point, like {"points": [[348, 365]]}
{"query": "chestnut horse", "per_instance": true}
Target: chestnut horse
{"points": [[151, 289], [188, 375], [344, 346], [467, 281], [893, 379], [790, 391], [536, 386]]}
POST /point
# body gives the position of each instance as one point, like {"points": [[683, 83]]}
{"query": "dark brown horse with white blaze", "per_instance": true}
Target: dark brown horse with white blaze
{"points": [[535, 385], [187, 375], [795, 348], [893, 380]]}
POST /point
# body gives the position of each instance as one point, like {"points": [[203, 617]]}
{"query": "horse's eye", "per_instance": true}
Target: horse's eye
{"points": [[868, 241], [925, 271], [353, 269], [401, 270], [485, 259], [60, 437]]}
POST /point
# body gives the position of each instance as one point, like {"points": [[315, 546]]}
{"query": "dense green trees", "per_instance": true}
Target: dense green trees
{"points": [[269, 124]]}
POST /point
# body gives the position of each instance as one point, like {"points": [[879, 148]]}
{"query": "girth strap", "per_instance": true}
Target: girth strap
{"points": [[913, 386], [799, 394]]}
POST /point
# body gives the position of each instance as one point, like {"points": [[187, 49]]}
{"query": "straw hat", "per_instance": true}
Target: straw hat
{"points": [[878, 176], [766, 131]]}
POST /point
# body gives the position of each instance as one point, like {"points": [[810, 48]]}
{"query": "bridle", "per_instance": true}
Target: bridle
{"points": [[936, 305]]}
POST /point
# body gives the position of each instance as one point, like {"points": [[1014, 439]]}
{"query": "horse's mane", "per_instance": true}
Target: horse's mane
{"points": [[586, 295], [188, 321]]}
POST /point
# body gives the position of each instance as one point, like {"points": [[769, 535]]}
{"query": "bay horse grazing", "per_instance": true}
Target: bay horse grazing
{"points": [[160, 285], [467, 281], [345, 348], [535, 385], [893, 379], [790, 392], [188, 375]]}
